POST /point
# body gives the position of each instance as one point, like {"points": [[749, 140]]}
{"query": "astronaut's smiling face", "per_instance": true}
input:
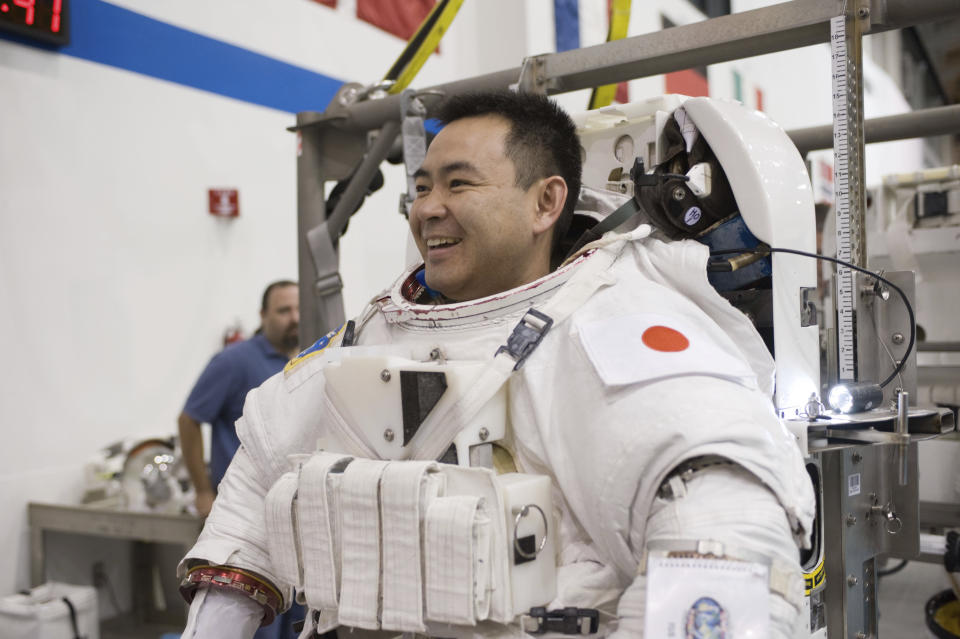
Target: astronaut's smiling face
{"points": [[479, 232]]}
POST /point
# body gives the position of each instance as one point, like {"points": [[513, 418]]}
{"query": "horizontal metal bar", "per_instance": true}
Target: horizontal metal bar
{"points": [[939, 347], [916, 124], [779, 27], [775, 28], [371, 114], [931, 375], [896, 14], [939, 514]]}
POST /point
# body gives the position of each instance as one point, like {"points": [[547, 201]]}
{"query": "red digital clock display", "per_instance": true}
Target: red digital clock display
{"points": [[45, 20]]}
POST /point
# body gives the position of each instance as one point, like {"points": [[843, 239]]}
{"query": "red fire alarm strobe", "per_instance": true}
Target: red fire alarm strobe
{"points": [[224, 202]]}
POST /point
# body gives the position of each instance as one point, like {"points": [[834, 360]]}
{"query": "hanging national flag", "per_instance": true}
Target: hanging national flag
{"points": [[402, 19]]}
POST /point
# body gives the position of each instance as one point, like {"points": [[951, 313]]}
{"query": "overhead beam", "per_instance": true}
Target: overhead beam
{"points": [[779, 27], [916, 124]]}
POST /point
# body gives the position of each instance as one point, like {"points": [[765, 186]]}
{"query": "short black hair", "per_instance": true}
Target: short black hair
{"points": [[269, 289], [542, 141]]}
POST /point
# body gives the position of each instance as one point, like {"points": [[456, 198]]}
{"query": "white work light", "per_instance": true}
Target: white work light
{"points": [[855, 397]]}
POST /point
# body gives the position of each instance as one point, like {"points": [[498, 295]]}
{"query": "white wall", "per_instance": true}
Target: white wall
{"points": [[115, 283]]}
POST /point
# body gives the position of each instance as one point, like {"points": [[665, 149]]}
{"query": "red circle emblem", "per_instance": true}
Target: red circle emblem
{"points": [[665, 339]]}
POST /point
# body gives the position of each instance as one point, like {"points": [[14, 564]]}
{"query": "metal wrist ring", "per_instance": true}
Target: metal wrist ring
{"points": [[521, 513]]}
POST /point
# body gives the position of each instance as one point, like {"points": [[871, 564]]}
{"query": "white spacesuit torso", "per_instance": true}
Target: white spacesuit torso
{"points": [[644, 368]]}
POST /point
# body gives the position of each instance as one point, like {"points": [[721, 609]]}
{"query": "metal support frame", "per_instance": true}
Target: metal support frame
{"points": [[333, 142], [865, 513]]}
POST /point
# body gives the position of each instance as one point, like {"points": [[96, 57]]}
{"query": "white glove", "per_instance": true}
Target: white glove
{"points": [[221, 614]]}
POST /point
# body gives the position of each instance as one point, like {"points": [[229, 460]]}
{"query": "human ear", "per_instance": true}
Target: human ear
{"points": [[551, 196]]}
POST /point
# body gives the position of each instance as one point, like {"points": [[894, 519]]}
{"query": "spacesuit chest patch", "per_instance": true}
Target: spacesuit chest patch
{"points": [[332, 338], [648, 346]]}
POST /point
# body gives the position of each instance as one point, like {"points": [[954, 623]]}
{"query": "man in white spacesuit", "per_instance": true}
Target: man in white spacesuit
{"points": [[640, 393]]}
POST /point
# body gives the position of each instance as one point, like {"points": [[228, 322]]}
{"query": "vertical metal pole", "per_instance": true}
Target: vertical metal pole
{"points": [[903, 436], [311, 212]]}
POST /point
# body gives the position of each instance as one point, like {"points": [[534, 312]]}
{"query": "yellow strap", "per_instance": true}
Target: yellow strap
{"points": [[619, 22], [813, 579], [427, 44]]}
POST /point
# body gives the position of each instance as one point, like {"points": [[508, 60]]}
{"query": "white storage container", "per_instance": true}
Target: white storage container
{"points": [[43, 614]]}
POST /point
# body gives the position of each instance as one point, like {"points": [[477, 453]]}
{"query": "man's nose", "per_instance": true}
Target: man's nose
{"points": [[296, 316], [430, 205]]}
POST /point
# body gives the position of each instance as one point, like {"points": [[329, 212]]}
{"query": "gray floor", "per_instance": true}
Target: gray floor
{"points": [[902, 599]]}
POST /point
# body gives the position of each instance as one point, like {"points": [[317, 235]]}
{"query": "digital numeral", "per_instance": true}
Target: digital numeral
{"points": [[55, 18], [29, 6]]}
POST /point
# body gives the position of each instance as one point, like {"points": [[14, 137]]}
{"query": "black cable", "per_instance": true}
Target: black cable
{"points": [[73, 618], [892, 571], [763, 248]]}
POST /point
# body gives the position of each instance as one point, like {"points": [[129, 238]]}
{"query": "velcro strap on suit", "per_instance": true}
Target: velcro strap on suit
{"points": [[281, 529], [406, 491], [457, 551], [416, 543], [320, 568], [360, 543]]}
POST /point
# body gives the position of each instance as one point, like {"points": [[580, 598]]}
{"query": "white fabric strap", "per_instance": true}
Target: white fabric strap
{"points": [[360, 516], [440, 427], [452, 532], [281, 529], [783, 582], [406, 491], [318, 534]]}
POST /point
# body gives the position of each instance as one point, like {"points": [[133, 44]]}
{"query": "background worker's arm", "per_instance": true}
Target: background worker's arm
{"points": [[191, 443]]}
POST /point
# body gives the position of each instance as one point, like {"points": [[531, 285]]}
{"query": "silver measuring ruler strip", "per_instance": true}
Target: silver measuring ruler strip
{"points": [[843, 186]]}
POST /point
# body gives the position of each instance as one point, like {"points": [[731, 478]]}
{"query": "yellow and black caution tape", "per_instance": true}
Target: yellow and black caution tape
{"points": [[814, 579], [619, 22], [421, 45]]}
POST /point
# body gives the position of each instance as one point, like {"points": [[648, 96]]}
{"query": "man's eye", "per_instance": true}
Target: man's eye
{"points": [[455, 183], [421, 189]]}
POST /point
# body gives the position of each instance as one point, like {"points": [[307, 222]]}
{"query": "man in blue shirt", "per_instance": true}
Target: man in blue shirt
{"points": [[217, 399]]}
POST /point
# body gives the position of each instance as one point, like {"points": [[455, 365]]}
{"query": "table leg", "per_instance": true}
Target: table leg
{"points": [[37, 567]]}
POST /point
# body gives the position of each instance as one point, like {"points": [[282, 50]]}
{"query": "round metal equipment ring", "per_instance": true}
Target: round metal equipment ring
{"points": [[521, 513]]}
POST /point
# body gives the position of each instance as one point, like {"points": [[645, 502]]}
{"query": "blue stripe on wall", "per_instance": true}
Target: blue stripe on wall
{"points": [[111, 35], [566, 22]]}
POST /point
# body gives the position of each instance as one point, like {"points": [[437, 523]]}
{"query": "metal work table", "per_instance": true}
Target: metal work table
{"points": [[143, 528], [104, 522]]}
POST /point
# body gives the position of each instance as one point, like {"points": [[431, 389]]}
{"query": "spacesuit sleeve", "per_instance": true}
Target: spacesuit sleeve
{"points": [[729, 505], [235, 532]]}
